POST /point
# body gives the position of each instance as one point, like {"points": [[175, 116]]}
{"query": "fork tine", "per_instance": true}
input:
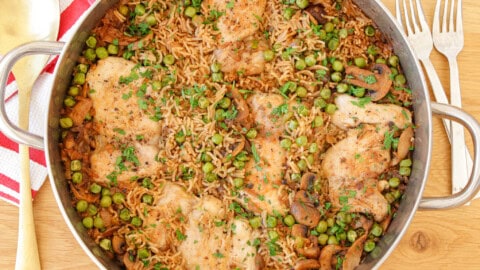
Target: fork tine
{"points": [[398, 13], [414, 17], [451, 25], [407, 20], [459, 26], [445, 14], [421, 16], [436, 18]]}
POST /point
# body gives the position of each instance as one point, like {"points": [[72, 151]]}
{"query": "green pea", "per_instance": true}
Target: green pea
{"points": [[331, 108], [268, 55], [292, 124], [79, 78], [336, 76], [380, 60], [343, 33], [352, 236], [105, 244], [405, 171], [136, 221], [322, 239], [90, 54], [358, 91], [330, 222], [77, 177], [273, 235], [205, 157], [313, 148], [301, 140], [238, 182], [219, 115], [91, 42], [139, 10], [369, 31], [317, 121], [225, 102], [393, 61], [106, 201], [190, 12], [95, 188], [203, 102], [302, 3], [217, 77], [87, 222], [124, 214], [376, 230], [255, 222], [286, 143], [211, 177], [208, 167], [342, 87], [301, 91], [252, 133], [320, 103], [118, 198], [169, 59], [98, 223], [389, 197], [337, 65], [310, 60], [239, 164], [303, 110], [105, 192], [215, 67], [101, 52], [322, 226], [92, 209], [271, 222], [369, 245], [143, 253], [73, 91], [400, 80], [394, 182], [396, 194], [360, 62], [217, 138], [81, 206], [123, 9], [329, 26], [75, 165], [242, 156], [180, 137], [82, 68], [325, 93], [302, 165], [333, 44], [406, 163], [112, 49], [147, 198], [288, 13], [289, 220], [300, 64], [394, 71], [332, 240], [295, 177]]}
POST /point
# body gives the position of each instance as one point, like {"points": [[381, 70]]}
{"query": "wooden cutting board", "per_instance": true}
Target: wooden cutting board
{"points": [[435, 240]]}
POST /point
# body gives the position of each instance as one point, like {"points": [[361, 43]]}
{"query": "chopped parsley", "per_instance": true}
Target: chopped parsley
{"points": [[362, 102], [256, 157], [218, 255], [180, 235], [370, 79], [280, 110]]}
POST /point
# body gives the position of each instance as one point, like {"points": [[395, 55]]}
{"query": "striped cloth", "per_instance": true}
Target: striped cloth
{"points": [[71, 11]]}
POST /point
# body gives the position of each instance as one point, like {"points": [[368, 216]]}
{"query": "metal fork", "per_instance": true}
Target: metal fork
{"points": [[449, 41], [421, 40]]}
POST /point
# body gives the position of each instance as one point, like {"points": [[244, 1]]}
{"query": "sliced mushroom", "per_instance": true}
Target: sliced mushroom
{"points": [[317, 11], [386, 222], [354, 254], [377, 81], [326, 256], [259, 262], [238, 147], [80, 110], [127, 262], [309, 252], [303, 197], [299, 230], [118, 244], [404, 143], [304, 214], [307, 264], [307, 181]]}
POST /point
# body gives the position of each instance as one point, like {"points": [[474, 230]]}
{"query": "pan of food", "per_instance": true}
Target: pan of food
{"points": [[239, 134]]}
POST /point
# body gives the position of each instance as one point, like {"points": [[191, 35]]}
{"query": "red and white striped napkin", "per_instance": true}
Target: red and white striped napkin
{"points": [[71, 11]]}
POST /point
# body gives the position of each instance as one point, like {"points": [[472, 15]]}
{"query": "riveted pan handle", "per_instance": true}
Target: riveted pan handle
{"points": [[473, 185], [6, 64]]}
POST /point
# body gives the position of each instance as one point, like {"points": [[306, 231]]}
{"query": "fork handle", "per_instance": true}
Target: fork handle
{"points": [[458, 182]]}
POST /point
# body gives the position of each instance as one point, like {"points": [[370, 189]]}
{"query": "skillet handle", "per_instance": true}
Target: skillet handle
{"points": [[473, 185], [6, 64]]}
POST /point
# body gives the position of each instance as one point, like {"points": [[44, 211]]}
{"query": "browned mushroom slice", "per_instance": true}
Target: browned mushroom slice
{"points": [[326, 256], [304, 214], [299, 230], [317, 11], [80, 110], [404, 143], [118, 244], [238, 147], [309, 252], [308, 179], [243, 112], [354, 254], [307, 264], [378, 80]]}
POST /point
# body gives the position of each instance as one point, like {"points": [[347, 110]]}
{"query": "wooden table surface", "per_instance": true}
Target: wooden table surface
{"points": [[447, 239]]}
